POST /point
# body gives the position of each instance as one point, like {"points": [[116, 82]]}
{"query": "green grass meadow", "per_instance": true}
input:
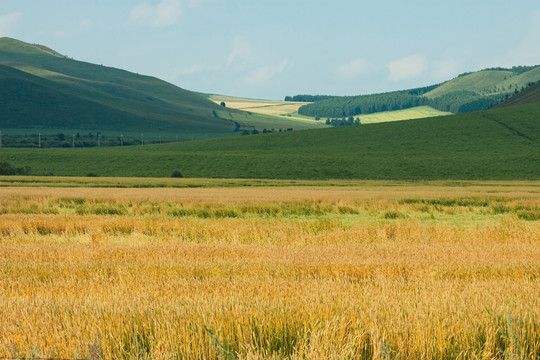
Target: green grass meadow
{"points": [[497, 144]]}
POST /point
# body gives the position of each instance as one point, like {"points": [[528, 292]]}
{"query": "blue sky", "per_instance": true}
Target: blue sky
{"points": [[270, 49]]}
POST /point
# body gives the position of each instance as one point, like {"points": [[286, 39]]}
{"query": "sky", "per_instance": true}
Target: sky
{"points": [[268, 49]]}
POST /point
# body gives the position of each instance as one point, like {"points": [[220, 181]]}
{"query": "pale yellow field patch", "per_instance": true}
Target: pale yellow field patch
{"points": [[398, 115], [267, 107]]}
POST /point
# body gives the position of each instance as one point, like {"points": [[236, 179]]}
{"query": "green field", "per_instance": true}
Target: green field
{"points": [[495, 144], [398, 115]]}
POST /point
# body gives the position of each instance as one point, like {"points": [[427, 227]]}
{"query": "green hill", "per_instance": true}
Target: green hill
{"points": [[529, 95], [495, 144], [42, 89], [489, 82], [468, 92]]}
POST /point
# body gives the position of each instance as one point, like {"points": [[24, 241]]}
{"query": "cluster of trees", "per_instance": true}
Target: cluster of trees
{"points": [[516, 70], [365, 104], [464, 101], [9, 169], [264, 131], [308, 98], [343, 121]]}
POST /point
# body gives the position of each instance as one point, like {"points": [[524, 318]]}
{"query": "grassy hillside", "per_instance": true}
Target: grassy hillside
{"points": [[51, 90], [529, 95], [468, 92], [488, 82], [495, 144]]}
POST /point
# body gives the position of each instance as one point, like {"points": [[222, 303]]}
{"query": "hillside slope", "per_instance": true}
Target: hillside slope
{"points": [[53, 91], [468, 92], [496, 144], [529, 95], [27, 101]]}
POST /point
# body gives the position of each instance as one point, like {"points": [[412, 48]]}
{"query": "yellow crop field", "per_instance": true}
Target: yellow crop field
{"points": [[375, 270], [282, 109], [268, 107]]}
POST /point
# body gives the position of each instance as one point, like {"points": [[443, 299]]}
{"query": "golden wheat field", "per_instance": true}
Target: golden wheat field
{"points": [[378, 271]]}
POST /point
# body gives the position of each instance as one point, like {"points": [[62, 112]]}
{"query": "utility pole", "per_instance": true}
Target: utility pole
{"points": [[39, 140]]}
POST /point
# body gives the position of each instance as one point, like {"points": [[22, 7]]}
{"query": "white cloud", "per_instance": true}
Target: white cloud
{"points": [[527, 51], [165, 13], [241, 53], [263, 75], [8, 23], [408, 67], [355, 68]]}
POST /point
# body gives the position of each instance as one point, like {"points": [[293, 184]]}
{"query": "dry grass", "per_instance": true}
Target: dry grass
{"points": [[304, 273]]}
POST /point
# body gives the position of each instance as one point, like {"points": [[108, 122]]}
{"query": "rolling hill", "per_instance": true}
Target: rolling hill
{"points": [[42, 89], [468, 92], [500, 143]]}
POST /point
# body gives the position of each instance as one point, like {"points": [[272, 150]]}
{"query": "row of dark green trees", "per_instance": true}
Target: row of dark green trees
{"points": [[455, 102]]}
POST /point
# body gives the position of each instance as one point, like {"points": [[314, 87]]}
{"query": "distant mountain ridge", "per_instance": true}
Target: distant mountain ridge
{"points": [[468, 92]]}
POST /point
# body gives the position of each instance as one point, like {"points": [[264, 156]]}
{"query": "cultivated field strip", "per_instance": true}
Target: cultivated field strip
{"points": [[317, 273]]}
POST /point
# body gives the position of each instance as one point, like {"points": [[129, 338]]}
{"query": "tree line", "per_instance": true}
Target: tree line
{"points": [[456, 102], [309, 98], [345, 106]]}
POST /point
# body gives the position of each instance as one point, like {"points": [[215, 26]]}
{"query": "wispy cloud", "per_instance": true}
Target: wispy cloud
{"points": [[163, 14], [241, 53], [355, 68], [8, 23], [263, 75], [527, 51], [407, 67]]}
